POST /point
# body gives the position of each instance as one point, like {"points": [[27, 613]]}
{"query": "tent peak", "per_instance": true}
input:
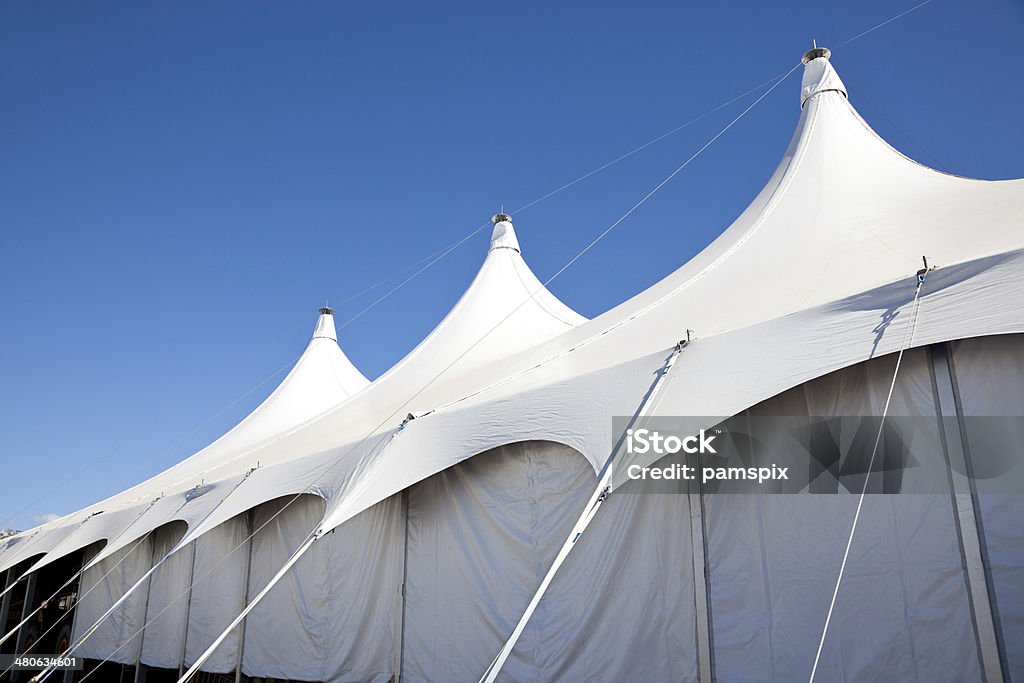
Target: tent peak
{"points": [[504, 235], [325, 325], [819, 76]]}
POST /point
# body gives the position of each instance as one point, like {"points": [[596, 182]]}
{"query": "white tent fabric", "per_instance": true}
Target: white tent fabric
{"points": [[817, 275], [773, 559], [218, 593], [166, 600], [809, 279], [102, 585], [470, 572], [36, 542], [481, 536], [336, 616], [494, 298]]}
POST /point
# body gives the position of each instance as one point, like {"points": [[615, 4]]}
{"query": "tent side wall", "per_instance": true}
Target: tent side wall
{"points": [[335, 617], [481, 536], [472, 542], [904, 608], [219, 574], [166, 608], [903, 612], [102, 585], [990, 381]]}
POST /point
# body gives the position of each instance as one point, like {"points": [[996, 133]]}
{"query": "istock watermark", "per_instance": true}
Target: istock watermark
{"points": [[646, 441], [818, 454]]}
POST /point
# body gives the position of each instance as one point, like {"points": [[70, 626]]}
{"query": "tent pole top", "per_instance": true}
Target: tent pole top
{"points": [[326, 311], [501, 218], [815, 53]]}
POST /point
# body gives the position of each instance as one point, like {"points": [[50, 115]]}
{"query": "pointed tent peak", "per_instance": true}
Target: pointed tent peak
{"points": [[819, 76], [325, 325], [504, 235]]}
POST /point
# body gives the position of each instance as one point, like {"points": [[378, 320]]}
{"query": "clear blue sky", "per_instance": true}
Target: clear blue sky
{"points": [[183, 184]]}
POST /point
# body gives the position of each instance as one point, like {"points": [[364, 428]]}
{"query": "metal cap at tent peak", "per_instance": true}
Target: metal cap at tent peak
{"points": [[819, 75], [815, 53], [325, 325], [504, 235]]}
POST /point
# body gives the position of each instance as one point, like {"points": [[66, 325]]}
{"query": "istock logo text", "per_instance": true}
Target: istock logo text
{"points": [[648, 441]]}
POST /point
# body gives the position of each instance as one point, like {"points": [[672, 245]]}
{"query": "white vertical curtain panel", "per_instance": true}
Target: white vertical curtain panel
{"points": [[481, 537], [168, 599], [902, 611], [218, 593], [622, 606], [990, 375], [334, 617], [102, 585]]}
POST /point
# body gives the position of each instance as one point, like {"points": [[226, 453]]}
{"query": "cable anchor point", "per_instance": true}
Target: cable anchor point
{"points": [[923, 272]]}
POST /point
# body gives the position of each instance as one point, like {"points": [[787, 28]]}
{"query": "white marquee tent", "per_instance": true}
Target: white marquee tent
{"points": [[429, 503]]}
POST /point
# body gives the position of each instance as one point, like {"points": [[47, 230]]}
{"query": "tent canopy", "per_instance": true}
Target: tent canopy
{"points": [[815, 275]]}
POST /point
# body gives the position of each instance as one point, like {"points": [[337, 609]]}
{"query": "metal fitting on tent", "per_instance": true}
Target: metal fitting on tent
{"points": [[816, 53], [921, 274], [501, 218], [683, 343]]}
